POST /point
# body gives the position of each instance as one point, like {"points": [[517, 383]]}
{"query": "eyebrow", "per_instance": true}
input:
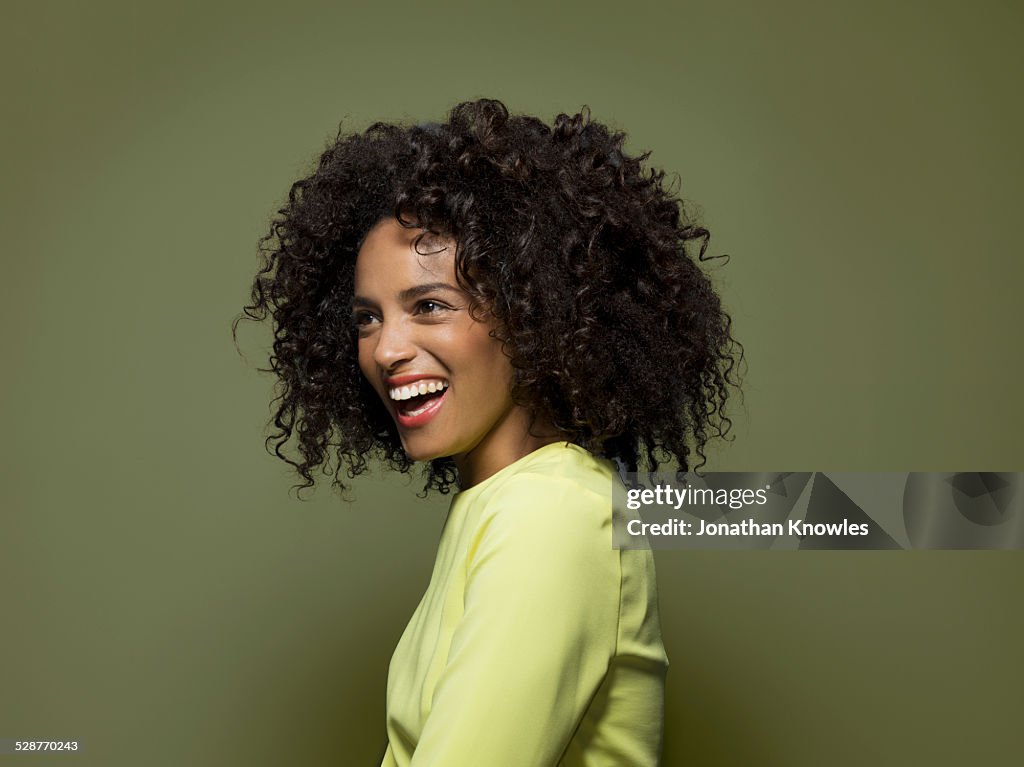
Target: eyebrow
{"points": [[409, 294]]}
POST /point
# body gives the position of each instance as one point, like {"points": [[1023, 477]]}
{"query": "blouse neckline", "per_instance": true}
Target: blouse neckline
{"points": [[516, 465]]}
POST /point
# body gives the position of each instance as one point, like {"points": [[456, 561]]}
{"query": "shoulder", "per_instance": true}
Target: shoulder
{"points": [[559, 476], [558, 502]]}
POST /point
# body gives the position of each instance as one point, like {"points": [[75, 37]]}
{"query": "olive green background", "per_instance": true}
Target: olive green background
{"points": [[166, 599]]}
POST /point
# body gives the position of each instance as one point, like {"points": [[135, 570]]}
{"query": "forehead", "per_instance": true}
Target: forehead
{"points": [[388, 258]]}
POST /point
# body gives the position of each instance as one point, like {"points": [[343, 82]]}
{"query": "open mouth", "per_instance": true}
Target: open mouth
{"points": [[416, 404], [419, 403]]}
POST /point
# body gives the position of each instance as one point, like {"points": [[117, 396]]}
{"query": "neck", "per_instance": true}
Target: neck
{"points": [[504, 445]]}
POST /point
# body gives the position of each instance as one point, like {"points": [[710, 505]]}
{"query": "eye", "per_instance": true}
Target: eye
{"points": [[362, 318], [430, 307]]}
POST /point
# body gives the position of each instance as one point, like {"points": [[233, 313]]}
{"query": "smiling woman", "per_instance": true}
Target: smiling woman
{"points": [[440, 372], [513, 306]]}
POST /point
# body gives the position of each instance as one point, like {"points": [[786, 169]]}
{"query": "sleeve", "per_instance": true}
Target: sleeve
{"points": [[537, 632]]}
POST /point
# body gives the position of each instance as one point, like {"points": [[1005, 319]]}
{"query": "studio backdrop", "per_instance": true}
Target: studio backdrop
{"points": [[166, 597]]}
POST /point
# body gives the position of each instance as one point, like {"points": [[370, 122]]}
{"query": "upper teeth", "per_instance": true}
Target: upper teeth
{"points": [[420, 387]]}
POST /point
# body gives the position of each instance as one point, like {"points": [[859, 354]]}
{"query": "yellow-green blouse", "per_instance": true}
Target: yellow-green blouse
{"points": [[536, 643]]}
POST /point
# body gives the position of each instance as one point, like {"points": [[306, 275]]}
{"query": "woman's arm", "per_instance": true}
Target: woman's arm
{"points": [[537, 633]]}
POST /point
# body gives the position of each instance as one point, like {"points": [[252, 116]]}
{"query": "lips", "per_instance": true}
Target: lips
{"points": [[392, 381], [420, 410]]}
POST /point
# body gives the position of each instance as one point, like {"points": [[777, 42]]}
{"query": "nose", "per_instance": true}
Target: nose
{"points": [[395, 345]]}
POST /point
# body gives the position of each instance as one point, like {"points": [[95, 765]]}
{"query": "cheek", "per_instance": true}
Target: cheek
{"points": [[368, 369], [365, 355], [496, 367]]}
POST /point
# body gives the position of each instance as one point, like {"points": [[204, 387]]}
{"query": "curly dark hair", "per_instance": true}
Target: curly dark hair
{"points": [[616, 336]]}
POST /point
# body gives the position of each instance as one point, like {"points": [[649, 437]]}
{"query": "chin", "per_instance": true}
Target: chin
{"points": [[420, 452]]}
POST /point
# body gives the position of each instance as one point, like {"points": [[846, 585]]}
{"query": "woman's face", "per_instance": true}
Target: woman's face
{"points": [[444, 380]]}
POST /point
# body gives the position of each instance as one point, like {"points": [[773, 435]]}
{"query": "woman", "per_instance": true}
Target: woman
{"points": [[512, 305]]}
